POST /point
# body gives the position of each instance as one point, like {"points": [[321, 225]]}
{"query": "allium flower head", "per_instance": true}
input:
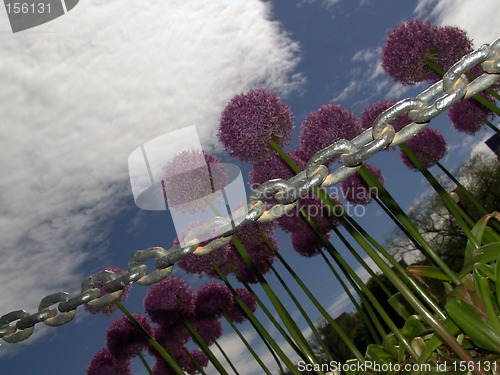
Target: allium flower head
{"points": [[273, 167], [208, 329], [108, 310], [169, 301], [306, 242], [212, 300], [236, 313], [327, 125], [124, 339], [468, 115], [250, 120], [161, 367], [370, 114], [428, 145], [187, 363], [324, 218], [411, 44], [171, 337], [104, 363], [202, 264], [355, 189], [262, 256], [189, 177]]}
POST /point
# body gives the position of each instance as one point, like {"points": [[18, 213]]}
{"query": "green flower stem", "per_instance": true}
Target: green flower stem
{"points": [[426, 316], [258, 326], [402, 218], [304, 314], [323, 312], [463, 191], [204, 347], [366, 291], [290, 324], [145, 363], [485, 102], [491, 126], [250, 349], [374, 319], [463, 220], [226, 357], [151, 341]]}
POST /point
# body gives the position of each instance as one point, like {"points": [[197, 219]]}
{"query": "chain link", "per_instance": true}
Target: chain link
{"points": [[18, 325]]}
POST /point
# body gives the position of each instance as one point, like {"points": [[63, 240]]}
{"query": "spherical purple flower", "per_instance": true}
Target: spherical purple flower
{"points": [[208, 329], [171, 338], [273, 167], [212, 300], [161, 367], [370, 114], [315, 209], [169, 301], [250, 120], [356, 190], [429, 146], [410, 45], [191, 176], [327, 125], [468, 115], [262, 256], [108, 310], [236, 313], [306, 242], [203, 264], [104, 363], [187, 363], [124, 339]]}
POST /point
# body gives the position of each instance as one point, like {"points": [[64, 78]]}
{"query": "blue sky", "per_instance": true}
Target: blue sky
{"points": [[79, 94]]}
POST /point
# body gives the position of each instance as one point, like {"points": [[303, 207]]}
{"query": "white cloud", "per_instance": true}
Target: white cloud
{"points": [[476, 18], [79, 94]]}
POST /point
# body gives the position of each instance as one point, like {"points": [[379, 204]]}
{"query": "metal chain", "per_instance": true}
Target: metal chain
{"points": [[18, 325]]}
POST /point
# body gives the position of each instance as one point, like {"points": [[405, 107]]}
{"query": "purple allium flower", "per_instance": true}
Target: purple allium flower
{"points": [[189, 177], [355, 190], [327, 125], [429, 146], [306, 242], [187, 363], [262, 256], [250, 120], [274, 167], [411, 44], [236, 313], [169, 301], [202, 264], [171, 338], [468, 115], [370, 114], [104, 363], [212, 300], [161, 367], [208, 329], [316, 210], [124, 339], [108, 310]]}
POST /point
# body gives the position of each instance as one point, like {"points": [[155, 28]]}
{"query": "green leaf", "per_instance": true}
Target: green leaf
{"points": [[427, 271], [483, 334], [485, 293], [482, 233], [401, 306], [485, 254]]}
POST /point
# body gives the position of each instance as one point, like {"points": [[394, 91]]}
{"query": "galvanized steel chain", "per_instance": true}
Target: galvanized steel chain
{"points": [[18, 325]]}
